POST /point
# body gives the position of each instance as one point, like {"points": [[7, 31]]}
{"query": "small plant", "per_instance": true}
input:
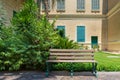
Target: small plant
{"points": [[86, 47], [81, 46], [96, 47]]}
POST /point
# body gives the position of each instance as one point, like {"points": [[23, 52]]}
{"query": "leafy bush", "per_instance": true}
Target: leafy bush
{"points": [[65, 43], [26, 44], [76, 66], [37, 34]]}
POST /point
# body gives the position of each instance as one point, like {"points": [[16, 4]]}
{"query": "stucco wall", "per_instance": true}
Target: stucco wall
{"points": [[104, 34], [71, 19], [71, 7], [114, 29], [93, 27]]}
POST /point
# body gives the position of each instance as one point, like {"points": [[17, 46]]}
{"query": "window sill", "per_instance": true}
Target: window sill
{"points": [[95, 11], [44, 10], [60, 10], [82, 10]]}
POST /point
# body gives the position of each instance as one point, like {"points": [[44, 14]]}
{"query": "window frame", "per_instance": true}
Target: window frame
{"points": [[80, 9], [95, 5], [60, 10]]}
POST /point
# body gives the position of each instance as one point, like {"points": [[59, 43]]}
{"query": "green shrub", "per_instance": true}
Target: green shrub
{"points": [[65, 43], [26, 44], [76, 66], [37, 35]]}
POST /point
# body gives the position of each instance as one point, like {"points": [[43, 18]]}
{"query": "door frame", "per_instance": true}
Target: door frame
{"points": [[92, 42]]}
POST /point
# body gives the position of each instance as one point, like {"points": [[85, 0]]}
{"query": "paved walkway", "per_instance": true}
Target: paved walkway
{"points": [[58, 75]]}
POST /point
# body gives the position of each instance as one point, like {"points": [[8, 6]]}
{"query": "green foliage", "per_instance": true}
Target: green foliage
{"points": [[65, 43], [37, 35], [61, 32], [9, 59], [96, 47], [26, 44], [76, 66]]}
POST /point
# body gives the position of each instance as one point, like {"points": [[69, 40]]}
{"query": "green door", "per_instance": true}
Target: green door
{"points": [[94, 41]]}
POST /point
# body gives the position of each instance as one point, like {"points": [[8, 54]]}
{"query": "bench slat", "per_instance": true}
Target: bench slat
{"points": [[82, 61], [71, 50], [79, 54], [70, 58]]}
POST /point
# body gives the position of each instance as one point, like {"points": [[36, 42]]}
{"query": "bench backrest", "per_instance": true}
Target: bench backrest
{"points": [[71, 54]]}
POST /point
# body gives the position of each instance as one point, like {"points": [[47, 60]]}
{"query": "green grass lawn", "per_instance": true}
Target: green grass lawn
{"points": [[107, 62]]}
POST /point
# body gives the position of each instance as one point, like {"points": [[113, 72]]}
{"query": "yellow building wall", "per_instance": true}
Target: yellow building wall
{"points": [[114, 29], [70, 18], [104, 34], [71, 8], [93, 27]]}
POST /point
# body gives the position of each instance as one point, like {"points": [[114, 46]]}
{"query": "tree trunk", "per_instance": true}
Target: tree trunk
{"points": [[46, 8]]}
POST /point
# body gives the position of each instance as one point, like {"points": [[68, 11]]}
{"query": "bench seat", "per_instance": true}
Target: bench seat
{"points": [[70, 61]]}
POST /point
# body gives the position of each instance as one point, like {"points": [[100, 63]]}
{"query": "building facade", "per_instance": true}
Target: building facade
{"points": [[81, 20]]}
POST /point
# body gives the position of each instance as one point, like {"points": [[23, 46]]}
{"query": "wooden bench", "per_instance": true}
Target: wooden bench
{"points": [[71, 56]]}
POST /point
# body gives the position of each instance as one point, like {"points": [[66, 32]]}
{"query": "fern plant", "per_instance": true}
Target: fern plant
{"points": [[65, 43]]}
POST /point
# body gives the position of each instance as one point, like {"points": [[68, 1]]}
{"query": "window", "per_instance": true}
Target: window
{"points": [[80, 5], [61, 30], [43, 7], [60, 5], [80, 33], [95, 5]]}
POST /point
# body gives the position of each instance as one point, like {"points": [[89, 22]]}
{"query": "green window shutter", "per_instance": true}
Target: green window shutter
{"points": [[61, 30], [95, 4], [80, 33]]}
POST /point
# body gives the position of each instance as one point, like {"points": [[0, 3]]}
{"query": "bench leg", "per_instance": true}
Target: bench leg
{"points": [[71, 70], [94, 67], [47, 69], [96, 70]]}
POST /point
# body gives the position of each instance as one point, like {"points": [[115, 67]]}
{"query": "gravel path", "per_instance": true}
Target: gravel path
{"points": [[58, 75]]}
